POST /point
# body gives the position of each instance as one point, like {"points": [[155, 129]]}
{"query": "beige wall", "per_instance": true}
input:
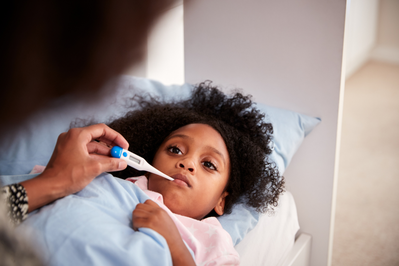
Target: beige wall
{"points": [[360, 33], [387, 44], [371, 32], [388, 28]]}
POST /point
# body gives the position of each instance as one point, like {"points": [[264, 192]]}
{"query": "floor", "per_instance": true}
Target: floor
{"points": [[367, 214]]}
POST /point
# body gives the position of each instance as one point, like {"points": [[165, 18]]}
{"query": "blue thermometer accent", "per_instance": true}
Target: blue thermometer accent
{"points": [[136, 161]]}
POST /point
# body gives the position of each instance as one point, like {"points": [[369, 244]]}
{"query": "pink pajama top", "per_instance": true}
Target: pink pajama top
{"points": [[211, 244]]}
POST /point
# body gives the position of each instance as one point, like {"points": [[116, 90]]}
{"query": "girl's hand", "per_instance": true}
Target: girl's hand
{"points": [[77, 159], [150, 215]]}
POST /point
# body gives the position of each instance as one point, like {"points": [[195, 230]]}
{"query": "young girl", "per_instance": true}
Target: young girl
{"points": [[215, 147]]}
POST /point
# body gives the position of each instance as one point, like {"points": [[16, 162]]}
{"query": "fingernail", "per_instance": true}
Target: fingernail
{"points": [[120, 165]]}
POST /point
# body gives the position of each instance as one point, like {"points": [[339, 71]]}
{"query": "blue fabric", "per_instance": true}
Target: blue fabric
{"points": [[241, 220], [12, 179], [94, 227], [33, 143], [290, 129]]}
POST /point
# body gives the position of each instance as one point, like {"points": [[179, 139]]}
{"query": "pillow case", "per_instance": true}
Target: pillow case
{"points": [[33, 142]]}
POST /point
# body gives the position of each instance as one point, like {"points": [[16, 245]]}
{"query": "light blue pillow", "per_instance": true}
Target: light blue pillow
{"points": [[33, 143], [290, 129]]}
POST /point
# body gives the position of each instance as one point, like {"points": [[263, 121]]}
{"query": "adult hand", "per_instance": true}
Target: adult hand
{"points": [[150, 215], [77, 159]]}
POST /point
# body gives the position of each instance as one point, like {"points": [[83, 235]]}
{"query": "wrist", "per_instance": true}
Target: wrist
{"points": [[42, 190], [180, 254]]}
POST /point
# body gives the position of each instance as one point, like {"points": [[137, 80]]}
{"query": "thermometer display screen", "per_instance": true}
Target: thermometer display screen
{"points": [[131, 158]]}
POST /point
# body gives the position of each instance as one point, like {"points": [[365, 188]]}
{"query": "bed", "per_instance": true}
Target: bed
{"points": [[63, 228], [312, 91]]}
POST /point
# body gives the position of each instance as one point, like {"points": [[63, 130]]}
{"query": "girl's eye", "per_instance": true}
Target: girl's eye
{"points": [[209, 165], [174, 150]]}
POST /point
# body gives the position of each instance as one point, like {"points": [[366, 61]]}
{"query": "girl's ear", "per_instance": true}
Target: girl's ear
{"points": [[219, 208]]}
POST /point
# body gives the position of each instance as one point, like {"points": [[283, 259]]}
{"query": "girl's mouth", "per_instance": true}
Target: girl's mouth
{"points": [[181, 180]]}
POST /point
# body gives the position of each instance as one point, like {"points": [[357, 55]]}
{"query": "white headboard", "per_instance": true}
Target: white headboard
{"points": [[286, 53]]}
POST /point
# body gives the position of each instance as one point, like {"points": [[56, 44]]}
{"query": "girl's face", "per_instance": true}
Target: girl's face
{"points": [[197, 158]]}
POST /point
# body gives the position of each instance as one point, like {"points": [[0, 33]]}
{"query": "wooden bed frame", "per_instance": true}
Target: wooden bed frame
{"points": [[287, 54]]}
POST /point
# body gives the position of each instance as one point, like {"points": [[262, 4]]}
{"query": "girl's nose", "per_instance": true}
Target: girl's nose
{"points": [[187, 164]]}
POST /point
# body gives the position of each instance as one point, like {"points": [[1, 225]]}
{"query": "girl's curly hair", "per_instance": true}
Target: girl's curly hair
{"points": [[247, 137]]}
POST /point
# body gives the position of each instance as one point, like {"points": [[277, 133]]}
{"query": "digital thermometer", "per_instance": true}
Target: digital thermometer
{"points": [[136, 161]]}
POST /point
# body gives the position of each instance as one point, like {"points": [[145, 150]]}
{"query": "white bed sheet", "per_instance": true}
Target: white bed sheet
{"points": [[273, 237]]}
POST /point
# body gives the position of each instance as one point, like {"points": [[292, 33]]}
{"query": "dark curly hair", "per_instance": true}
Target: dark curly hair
{"points": [[247, 137]]}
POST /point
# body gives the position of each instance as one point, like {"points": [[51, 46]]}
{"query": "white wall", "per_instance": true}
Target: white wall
{"points": [[164, 60], [166, 48], [371, 32]]}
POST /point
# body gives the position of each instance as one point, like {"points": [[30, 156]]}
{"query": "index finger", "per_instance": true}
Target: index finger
{"points": [[151, 203], [106, 134]]}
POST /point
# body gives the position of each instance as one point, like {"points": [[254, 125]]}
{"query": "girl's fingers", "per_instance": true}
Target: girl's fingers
{"points": [[139, 222], [140, 216], [145, 207], [143, 210]]}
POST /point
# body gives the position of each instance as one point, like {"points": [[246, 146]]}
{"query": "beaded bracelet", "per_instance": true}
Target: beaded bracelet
{"points": [[16, 200]]}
